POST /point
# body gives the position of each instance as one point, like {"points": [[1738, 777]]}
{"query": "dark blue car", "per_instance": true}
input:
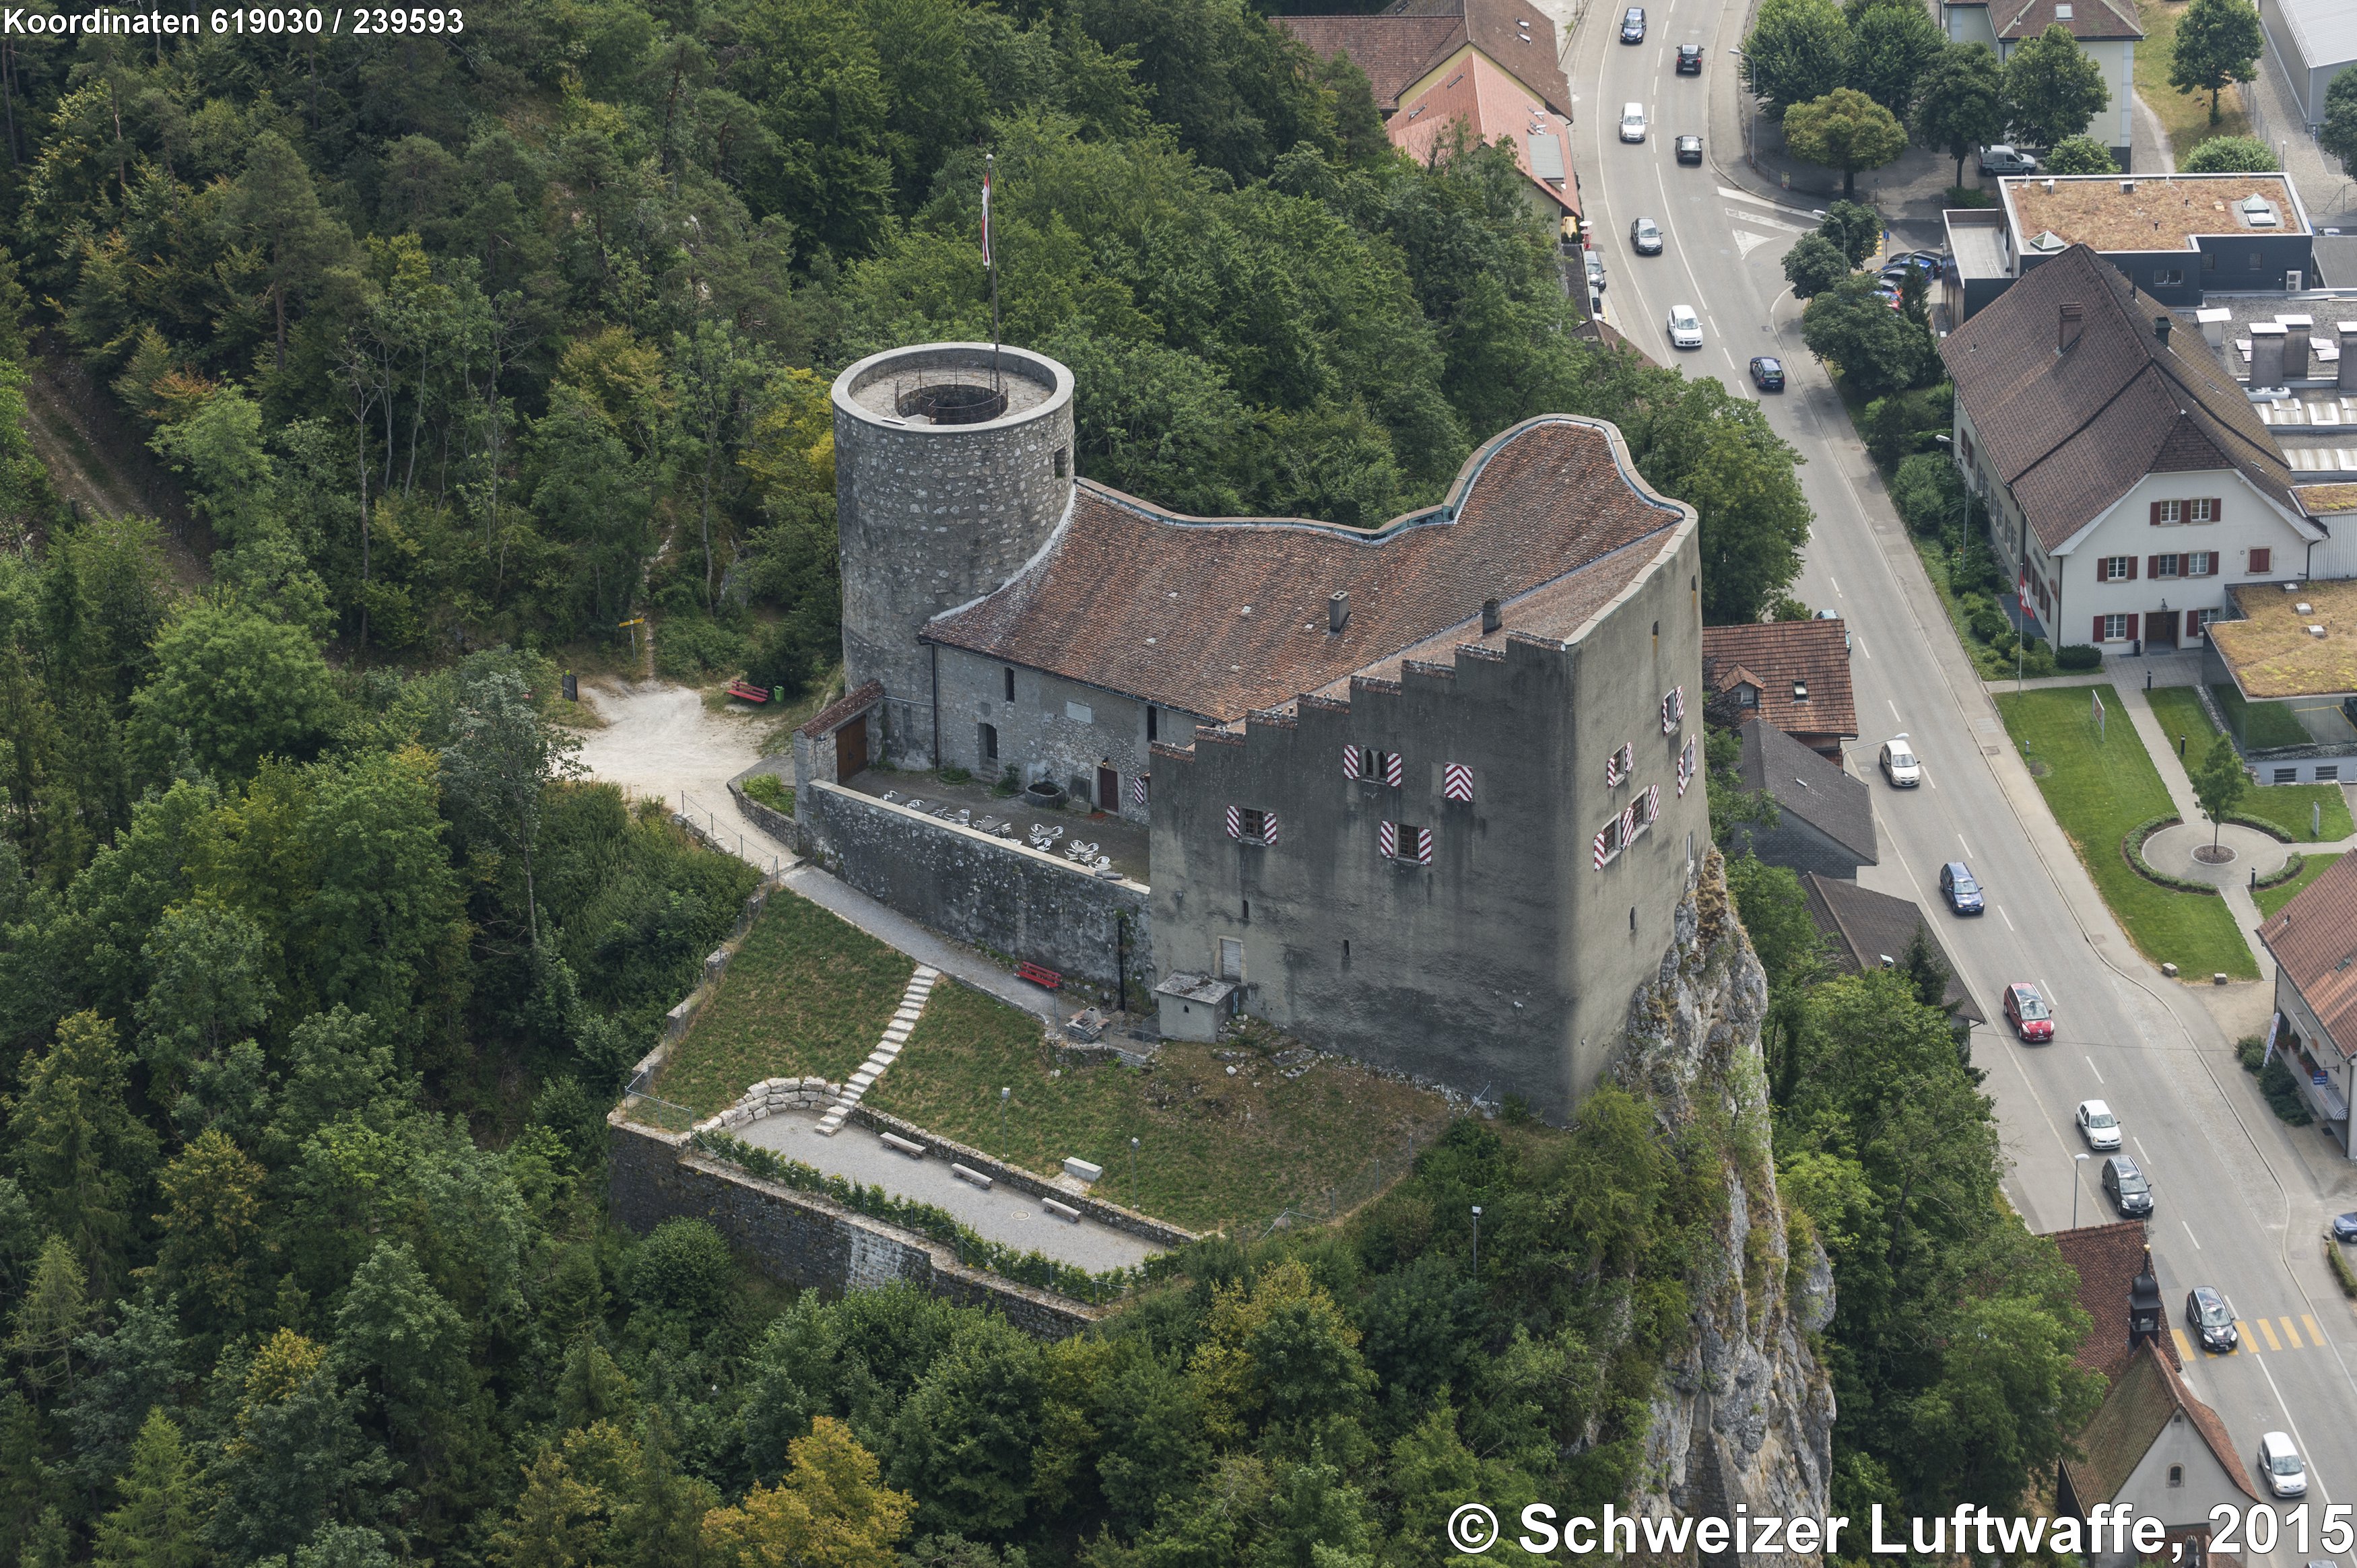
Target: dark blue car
{"points": [[2344, 1227], [1632, 25], [1957, 886]]}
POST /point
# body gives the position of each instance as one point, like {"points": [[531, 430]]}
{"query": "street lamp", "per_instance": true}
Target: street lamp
{"points": [[2075, 1161], [1002, 1095], [1133, 1173], [1476, 1240]]}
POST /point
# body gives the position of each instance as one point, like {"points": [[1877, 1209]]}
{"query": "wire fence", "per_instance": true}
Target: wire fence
{"points": [[1325, 1205], [651, 1110], [728, 836]]}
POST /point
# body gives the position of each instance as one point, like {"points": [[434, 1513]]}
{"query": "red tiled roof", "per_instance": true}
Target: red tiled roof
{"points": [[1775, 654], [1495, 107], [843, 710], [2089, 21], [1222, 617], [2314, 940], [2070, 433], [2108, 1258], [2143, 1398], [1404, 44]]}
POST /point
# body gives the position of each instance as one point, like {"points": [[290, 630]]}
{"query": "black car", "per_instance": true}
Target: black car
{"points": [[1689, 149], [2212, 1320], [1689, 60], [1957, 886], [1632, 25], [1645, 236], [1766, 372], [2126, 1187]]}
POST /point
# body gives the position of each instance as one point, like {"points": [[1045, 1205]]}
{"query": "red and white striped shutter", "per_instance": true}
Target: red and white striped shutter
{"points": [[1456, 781], [1423, 845], [1601, 834], [1685, 767], [1653, 803], [1236, 822], [1387, 840], [1268, 827], [1350, 762], [1629, 823], [1137, 789], [1613, 771], [1674, 709], [1391, 769]]}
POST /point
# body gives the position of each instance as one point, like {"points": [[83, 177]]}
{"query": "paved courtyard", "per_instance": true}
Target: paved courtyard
{"points": [[1002, 1215]]}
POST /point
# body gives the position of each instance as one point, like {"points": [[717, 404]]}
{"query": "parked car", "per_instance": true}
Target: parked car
{"points": [[1595, 271], [2002, 160], [2126, 1187], [1632, 25], [2344, 1227], [2211, 1318], [2280, 1467], [1632, 122], [1645, 236], [1689, 149], [1957, 886], [1766, 372], [2027, 1011], [1899, 764], [2098, 1125], [1685, 328], [1689, 60]]}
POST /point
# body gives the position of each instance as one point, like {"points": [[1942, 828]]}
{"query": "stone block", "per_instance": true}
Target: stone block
{"points": [[1063, 1211], [1087, 1026], [906, 1145], [972, 1177]]}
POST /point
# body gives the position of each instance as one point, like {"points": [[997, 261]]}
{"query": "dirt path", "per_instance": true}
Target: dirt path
{"points": [[660, 741]]}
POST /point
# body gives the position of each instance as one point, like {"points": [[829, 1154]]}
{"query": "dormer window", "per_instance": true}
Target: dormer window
{"points": [[1799, 691], [1747, 695]]}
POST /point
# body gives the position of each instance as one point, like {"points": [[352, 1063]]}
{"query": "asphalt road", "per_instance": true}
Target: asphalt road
{"points": [[2239, 1205]]}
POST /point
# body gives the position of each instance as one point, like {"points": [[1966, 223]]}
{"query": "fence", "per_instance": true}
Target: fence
{"points": [[702, 821], [1323, 1206]]}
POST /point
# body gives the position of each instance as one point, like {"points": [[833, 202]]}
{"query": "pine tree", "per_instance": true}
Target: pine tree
{"points": [[157, 1525], [212, 1228], [661, 1523], [82, 1154], [56, 1308]]}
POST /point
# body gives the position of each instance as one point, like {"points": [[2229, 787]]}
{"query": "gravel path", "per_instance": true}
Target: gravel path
{"points": [[1001, 1215], [660, 741]]}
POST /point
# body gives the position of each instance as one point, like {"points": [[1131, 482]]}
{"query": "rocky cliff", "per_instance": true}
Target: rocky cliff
{"points": [[1745, 1414]]}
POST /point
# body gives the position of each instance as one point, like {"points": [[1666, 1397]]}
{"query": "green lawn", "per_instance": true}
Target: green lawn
{"points": [[807, 993], [2184, 115], [2287, 806], [2098, 791], [2272, 899], [1215, 1151]]}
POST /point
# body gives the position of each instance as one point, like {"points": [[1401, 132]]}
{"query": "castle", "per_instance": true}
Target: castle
{"points": [[1427, 793]]}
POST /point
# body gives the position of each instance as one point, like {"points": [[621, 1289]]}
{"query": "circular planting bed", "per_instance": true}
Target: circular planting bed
{"points": [[2214, 854]]}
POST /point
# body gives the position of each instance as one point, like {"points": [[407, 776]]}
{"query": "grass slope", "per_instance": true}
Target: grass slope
{"points": [[809, 993], [2098, 791], [1215, 1151]]}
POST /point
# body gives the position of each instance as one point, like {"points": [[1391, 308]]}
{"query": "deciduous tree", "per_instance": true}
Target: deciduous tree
{"points": [[1813, 265], [2053, 87], [2218, 44], [829, 1508], [1877, 349], [2338, 134], [1844, 130], [1959, 102], [1891, 44], [1797, 50], [2218, 782]]}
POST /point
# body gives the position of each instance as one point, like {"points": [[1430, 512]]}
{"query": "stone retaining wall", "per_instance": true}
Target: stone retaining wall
{"points": [[804, 1239], [975, 889]]}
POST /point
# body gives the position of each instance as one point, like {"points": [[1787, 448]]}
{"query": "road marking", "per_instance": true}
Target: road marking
{"points": [[2184, 1346], [2006, 918], [1968, 849], [1894, 709], [2292, 1334], [2243, 1330], [2147, 1159], [1837, 583], [2092, 1068], [1732, 194], [2313, 1331], [1859, 643], [2268, 1331], [2192, 1237], [1746, 241]]}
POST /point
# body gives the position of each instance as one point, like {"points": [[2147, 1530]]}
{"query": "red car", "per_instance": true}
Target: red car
{"points": [[2032, 1019]]}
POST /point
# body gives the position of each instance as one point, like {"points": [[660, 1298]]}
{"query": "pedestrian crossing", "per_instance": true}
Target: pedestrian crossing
{"points": [[2271, 1334]]}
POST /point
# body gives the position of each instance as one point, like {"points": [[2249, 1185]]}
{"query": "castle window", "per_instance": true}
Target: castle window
{"points": [[1364, 762], [1609, 843], [1232, 958], [1686, 767], [1405, 844], [1010, 683], [1063, 462], [1618, 766], [1153, 729], [1246, 825], [2176, 1474], [1674, 709], [989, 743]]}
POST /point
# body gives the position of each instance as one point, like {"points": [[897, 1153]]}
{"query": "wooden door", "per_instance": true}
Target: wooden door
{"points": [[1108, 789], [851, 749]]}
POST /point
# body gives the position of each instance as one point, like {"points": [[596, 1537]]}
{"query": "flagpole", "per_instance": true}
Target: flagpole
{"points": [[990, 260]]}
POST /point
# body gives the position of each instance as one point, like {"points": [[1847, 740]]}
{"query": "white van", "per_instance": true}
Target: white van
{"points": [[1632, 122]]}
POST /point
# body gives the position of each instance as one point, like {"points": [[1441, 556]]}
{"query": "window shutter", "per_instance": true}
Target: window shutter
{"points": [[1456, 781], [2152, 567], [1602, 834], [1268, 827], [2132, 568], [1423, 847], [1350, 762], [1387, 840], [2156, 514], [1391, 769], [1235, 821], [2099, 629], [2217, 509], [1137, 789]]}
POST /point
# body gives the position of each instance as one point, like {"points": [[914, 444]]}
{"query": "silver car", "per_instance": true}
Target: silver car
{"points": [[2098, 1125], [1685, 328], [1899, 764], [2280, 1466]]}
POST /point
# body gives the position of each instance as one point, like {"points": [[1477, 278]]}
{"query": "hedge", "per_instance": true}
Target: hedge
{"points": [[2132, 847], [2079, 656]]}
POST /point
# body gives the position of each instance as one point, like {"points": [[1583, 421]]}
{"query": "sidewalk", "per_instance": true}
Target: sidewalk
{"points": [[890, 926]]}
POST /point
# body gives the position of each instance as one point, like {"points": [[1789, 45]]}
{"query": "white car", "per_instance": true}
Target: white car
{"points": [[2280, 1467], [1899, 764], [2098, 1125], [1632, 122], [1685, 328]]}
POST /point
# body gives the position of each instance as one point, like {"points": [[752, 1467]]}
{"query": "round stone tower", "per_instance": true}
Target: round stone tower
{"points": [[947, 478]]}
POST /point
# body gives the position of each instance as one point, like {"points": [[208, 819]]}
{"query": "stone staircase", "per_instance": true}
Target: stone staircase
{"points": [[896, 1035]]}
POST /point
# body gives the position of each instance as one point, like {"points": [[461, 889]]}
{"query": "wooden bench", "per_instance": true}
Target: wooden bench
{"points": [[1038, 976], [748, 692]]}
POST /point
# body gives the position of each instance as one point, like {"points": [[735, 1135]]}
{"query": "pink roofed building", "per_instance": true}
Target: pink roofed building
{"points": [[1495, 107]]}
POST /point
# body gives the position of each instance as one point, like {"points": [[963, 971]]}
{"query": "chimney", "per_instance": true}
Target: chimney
{"points": [[2067, 330], [1490, 619], [2266, 354], [1338, 612], [2145, 1314], [2160, 330], [2347, 380], [2296, 345]]}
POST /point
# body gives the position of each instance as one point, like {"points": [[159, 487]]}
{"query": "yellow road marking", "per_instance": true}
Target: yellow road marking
{"points": [[2268, 1330], [2291, 1334], [2184, 1346], [2314, 1333]]}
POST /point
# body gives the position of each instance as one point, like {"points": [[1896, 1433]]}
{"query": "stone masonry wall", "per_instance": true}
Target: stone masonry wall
{"points": [[975, 889], [802, 1238]]}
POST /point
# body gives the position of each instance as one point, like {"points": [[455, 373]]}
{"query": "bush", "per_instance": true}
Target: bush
{"points": [[2079, 656], [683, 1266], [688, 647], [1968, 196], [2080, 155], [1927, 490], [2037, 660], [2230, 155], [1985, 621], [2340, 1267], [2282, 1090], [784, 654], [771, 791]]}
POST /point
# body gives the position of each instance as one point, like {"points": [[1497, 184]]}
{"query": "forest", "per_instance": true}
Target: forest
{"points": [[321, 963]]}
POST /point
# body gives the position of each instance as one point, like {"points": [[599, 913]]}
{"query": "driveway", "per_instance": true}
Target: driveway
{"points": [[661, 743]]}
